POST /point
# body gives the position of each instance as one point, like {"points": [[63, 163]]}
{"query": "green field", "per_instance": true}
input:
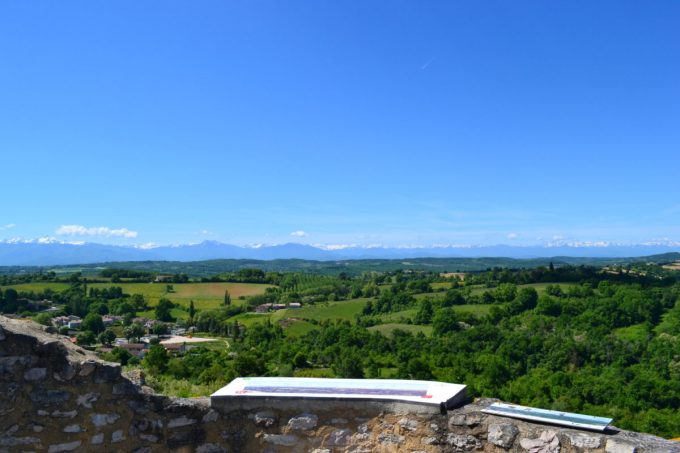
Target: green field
{"points": [[38, 286], [345, 310], [204, 295]]}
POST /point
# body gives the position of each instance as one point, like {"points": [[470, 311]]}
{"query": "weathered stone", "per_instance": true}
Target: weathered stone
{"points": [[502, 435], [547, 442], [391, 438], [360, 437], [429, 440], [303, 422], [23, 360], [3, 336], [181, 437], [106, 372], [582, 440], [211, 448], [87, 399], [618, 446], [471, 419], [408, 424], [64, 414], [73, 429], [97, 439], [149, 438], [68, 446], [340, 437], [143, 450], [100, 420], [363, 428], [124, 388], [35, 374], [463, 442], [264, 418], [117, 436], [211, 416], [11, 430], [320, 450], [67, 373], [181, 421], [87, 367], [42, 396], [38, 428], [18, 441], [286, 440]]}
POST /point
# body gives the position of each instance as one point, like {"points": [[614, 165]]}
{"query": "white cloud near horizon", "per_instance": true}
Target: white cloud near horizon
{"points": [[80, 230], [299, 234], [8, 226], [512, 235]]}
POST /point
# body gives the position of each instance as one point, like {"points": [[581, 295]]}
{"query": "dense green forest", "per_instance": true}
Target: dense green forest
{"points": [[603, 341]]}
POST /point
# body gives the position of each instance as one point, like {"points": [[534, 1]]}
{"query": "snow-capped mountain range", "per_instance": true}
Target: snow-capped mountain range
{"points": [[49, 251]]}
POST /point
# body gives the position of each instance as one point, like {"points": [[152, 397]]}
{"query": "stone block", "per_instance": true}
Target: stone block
{"points": [[285, 440], [35, 374], [547, 442], [42, 396], [502, 435], [181, 421], [303, 422], [408, 424], [618, 446], [75, 428], [583, 440], [100, 420], [340, 437], [463, 442], [87, 399], [67, 446]]}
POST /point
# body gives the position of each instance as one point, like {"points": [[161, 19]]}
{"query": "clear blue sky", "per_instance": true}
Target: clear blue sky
{"points": [[368, 122]]}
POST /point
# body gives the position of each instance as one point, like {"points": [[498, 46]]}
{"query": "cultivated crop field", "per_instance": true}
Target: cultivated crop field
{"points": [[204, 295]]}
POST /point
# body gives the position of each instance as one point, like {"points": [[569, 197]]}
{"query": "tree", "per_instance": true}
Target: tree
{"points": [[416, 368], [227, 298], [192, 311], [107, 337], [156, 359], [163, 310], [424, 315], [444, 321], [93, 322], [85, 338], [349, 365], [134, 332], [300, 360]]}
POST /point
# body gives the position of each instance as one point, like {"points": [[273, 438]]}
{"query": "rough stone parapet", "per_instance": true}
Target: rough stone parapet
{"points": [[57, 397]]}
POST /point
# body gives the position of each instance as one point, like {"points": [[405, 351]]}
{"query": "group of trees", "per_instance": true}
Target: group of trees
{"points": [[601, 346]]}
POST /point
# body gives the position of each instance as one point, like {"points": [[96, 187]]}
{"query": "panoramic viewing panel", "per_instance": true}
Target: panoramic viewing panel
{"points": [[422, 392], [547, 416]]}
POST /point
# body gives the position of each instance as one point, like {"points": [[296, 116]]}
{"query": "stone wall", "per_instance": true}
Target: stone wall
{"points": [[57, 397]]}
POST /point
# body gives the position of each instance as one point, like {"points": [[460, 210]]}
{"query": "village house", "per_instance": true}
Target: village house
{"points": [[136, 349]]}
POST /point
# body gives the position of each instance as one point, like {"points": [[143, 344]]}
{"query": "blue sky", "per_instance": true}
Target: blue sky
{"points": [[325, 122]]}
